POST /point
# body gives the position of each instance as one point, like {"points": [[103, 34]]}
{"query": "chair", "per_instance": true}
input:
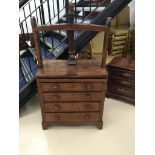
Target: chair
{"points": [[72, 92]]}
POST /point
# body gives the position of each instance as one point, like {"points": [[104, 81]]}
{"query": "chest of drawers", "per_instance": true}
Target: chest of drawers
{"points": [[72, 98], [121, 79]]}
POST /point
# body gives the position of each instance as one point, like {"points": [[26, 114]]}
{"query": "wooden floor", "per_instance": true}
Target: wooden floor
{"points": [[116, 138]]}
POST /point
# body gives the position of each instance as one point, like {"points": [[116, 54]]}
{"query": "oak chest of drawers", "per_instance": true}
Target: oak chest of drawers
{"points": [[72, 95], [121, 79]]}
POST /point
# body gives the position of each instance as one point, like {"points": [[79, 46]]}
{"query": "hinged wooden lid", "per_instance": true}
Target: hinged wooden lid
{"points": [[60, 69]]}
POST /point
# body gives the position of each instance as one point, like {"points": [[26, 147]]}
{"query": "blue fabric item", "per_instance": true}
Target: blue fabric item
{"points": [[56, 47], [20, 73], [45, 54], [56, 42], [31, 60], [22, 81], [27, 58]]}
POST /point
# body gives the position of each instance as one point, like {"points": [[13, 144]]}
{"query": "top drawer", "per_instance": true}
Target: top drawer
{"points": [[123, 74], [86, 86]]}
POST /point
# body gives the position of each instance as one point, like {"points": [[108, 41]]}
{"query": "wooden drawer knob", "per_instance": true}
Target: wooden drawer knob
{"points": [[87, 117], [56, 97], [55, 87], [88, 87], [87, 106], [88, 97], [57, 117], [56, 106]]}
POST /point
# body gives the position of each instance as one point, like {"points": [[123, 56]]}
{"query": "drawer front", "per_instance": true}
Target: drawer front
{"points": [[71, 107], [121, 82], [61, 97], [123, 74], [60, 87], [72, 117], [123, 91]]}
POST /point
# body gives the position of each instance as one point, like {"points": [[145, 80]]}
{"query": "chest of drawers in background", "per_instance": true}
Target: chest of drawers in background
{"points": [[71, 99], [121, 79]]}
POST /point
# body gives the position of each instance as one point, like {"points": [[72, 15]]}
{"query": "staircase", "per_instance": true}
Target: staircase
{"points": [[54, 44]]}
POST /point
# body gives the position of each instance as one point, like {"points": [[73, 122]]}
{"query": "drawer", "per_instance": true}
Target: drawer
{"points": [[121, 82], [123, 91], [71, 107], [60, 87], [72, 117], [121, 74], [61, 97]]}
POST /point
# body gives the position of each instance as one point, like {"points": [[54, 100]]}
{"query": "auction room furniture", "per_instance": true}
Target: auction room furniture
{"points": [[72, 92], [121, 79]]}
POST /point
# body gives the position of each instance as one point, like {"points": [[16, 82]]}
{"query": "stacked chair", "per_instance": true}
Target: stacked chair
{"points": [[118, 42], [121, 40]]}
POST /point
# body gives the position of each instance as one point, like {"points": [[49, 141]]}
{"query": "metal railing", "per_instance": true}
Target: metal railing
{"points": [[49, 12], [37, 8]]}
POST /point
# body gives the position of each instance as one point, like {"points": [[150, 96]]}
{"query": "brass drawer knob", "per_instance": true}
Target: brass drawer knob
{"points": [[87, 116], [125, 82], [126, 74]]}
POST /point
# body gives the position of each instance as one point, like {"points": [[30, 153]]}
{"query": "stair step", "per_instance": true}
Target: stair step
{"points": [[90, 14], [26, 70], [20, 73], [83, 3], [43, 50], [22, 81], [63, 33], [79, 20], [93, 3], [32, 51], [22, 84], [99, 9], [57, 48]]}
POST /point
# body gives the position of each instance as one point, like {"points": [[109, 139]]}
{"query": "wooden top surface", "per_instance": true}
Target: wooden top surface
{"points": [[123, 63], [60, 69]]}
